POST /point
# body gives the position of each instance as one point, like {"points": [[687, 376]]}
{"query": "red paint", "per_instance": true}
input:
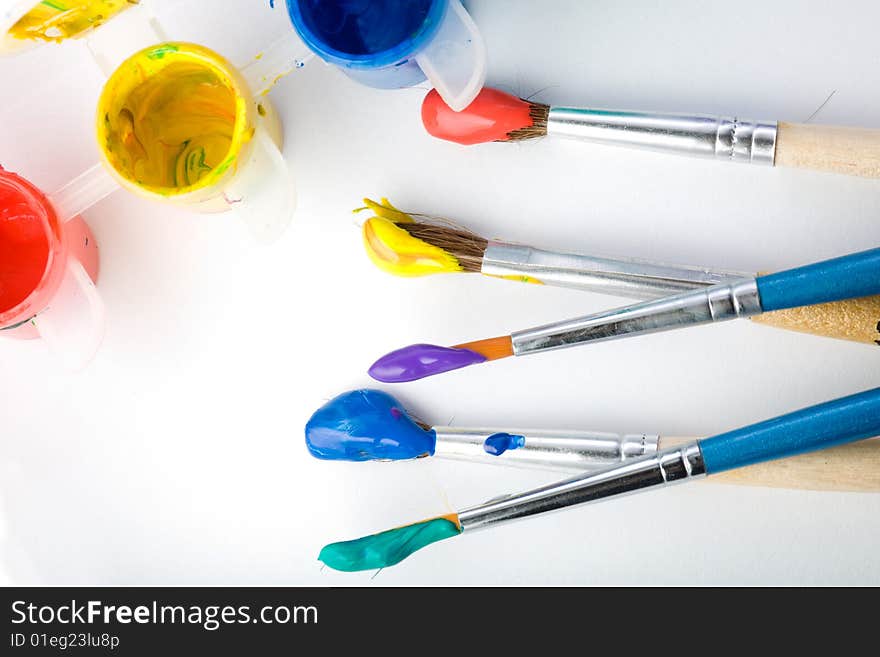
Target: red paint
{"points": [[491, 116], [26, 219]]}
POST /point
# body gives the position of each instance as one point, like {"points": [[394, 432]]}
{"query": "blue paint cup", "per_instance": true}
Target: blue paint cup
{"points": [[391, 44]]}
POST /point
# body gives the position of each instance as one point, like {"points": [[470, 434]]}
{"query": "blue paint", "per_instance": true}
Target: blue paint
{"points": [[366, 425], [373, 41], [849, 277], [819, 427], [498, 443]]}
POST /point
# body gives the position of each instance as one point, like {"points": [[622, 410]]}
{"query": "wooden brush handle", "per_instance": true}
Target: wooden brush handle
{"points": [[850, 151], [854, 319], [854, 467]]}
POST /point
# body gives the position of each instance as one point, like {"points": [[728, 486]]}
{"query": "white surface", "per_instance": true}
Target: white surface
{"points": [[178, 456]]}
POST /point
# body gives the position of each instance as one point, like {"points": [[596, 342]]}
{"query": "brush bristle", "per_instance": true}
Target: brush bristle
{"points": [[492, 349], [539, 113], [466, 247]]}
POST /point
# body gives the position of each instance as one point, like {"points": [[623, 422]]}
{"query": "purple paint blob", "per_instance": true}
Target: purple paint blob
{"points": [[421, 360]]}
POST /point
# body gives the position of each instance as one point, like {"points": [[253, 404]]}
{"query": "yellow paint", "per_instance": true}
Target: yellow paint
{"points": [[172, 119], [520, 278], [56, 20], [386, 211], [397, 252]]}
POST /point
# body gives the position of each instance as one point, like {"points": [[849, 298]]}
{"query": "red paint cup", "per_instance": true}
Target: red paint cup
{"points": [[48, 266]]}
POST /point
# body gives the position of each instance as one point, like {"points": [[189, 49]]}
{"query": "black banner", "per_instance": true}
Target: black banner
{"points": [[244, 621]]}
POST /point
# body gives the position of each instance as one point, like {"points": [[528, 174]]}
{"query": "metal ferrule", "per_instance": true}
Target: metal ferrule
{"points": [[548, 450], [637, 279], [723, 138], [714, 304], [667, 467]]}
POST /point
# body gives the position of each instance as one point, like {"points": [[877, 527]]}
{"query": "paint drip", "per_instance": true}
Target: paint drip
{"points": [[171, 119], [492, 116], [25, 219], [56, 20], [498, 443], [390, 547], [366, 425], [422, 360]]}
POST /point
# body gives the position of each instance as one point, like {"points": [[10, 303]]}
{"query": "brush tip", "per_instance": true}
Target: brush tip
{"points": [[394, 250], [419, 361], [366, 425], [492, 116], [388, 548]]}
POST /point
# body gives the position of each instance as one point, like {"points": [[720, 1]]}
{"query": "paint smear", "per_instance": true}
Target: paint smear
{"points": [[171, 119], [395, 251], [390, 547], [422, 360], [498, 443], [366, 425], [56, 20], [490, 117], [24, 243]]}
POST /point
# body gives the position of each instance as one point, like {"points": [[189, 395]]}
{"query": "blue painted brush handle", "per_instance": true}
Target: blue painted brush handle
{"points": [[818, 427], [849, 277]]}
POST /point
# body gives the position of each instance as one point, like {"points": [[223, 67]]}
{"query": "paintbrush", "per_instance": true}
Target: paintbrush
{"points": [[400, 244], [833, 423], [497, 116], [852, 276], [371, 425]]}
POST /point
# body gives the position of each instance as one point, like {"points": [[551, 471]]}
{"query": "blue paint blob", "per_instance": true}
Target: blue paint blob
{"points": [[366, 425], [498, 443]]}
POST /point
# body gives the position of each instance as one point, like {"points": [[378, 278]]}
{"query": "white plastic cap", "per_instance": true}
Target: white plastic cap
{"points": [[455, 61]]}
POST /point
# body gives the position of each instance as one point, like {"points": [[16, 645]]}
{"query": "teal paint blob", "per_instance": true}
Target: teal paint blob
{"points": [[386, 548], [366, 425], [498, 443]]}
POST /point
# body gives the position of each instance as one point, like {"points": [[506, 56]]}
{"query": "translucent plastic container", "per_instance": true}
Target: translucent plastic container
{"points": [[28, 23], [391, 44], [203, 141], [48, 269]]}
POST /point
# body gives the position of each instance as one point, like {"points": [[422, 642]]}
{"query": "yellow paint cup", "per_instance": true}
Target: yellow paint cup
{"points": [[27, 23], [179, 124]]}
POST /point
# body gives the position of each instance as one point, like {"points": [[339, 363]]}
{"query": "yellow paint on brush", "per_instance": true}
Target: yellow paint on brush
{"points": [[519, 278], [386, 211], [172, 119], [397, 252], [56, 20]]}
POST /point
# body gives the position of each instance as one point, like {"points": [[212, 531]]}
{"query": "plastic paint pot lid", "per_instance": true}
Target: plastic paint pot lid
{"points": [[32, 248], [366, 34]]}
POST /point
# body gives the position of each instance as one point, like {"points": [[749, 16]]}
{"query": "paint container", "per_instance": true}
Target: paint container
{"points": [[391, 44], [232, 159], [48, 269], [28, 23], [177, 123]]}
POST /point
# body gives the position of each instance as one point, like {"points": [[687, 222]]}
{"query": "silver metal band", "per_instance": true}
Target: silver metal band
{"points": [[637, 279], [661, 469], [545, 449], [724, 138], [713, 304]]}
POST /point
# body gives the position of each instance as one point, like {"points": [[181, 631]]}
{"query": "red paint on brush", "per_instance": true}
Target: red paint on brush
{"points": [[491, 117]]}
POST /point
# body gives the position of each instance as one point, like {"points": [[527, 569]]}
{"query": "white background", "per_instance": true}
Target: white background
{"points": [[177, 457]]}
